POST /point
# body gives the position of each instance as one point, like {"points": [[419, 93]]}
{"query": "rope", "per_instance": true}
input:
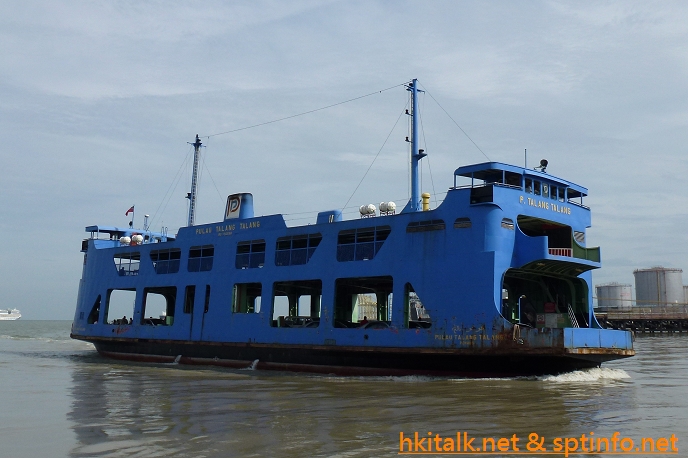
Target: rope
{"points": [[403, 110], [456, 123], [305, 112]]}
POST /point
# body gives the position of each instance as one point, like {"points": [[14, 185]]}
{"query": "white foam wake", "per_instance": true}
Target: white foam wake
{"points": [[595, 374], [252, 367]]}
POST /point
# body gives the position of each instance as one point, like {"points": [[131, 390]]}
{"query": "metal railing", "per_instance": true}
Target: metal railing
{"points": [[568, 252]]}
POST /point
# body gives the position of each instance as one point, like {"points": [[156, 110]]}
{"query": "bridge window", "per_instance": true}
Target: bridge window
{"points": [[361, 244], [529, 185], [246, 297], [127, 263], [250, 254], [536, 188], [166, 261], [545, 190], [201, 258], [296, 250], [553, 192]]}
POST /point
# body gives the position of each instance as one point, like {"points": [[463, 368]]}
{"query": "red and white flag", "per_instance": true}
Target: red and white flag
{"points": [[131, 210]]}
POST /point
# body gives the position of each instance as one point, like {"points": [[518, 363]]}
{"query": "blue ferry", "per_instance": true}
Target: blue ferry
{"points": [[494, 281]]}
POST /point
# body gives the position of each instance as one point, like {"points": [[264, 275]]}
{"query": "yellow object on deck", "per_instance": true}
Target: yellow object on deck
{"points": [[426, 201]]}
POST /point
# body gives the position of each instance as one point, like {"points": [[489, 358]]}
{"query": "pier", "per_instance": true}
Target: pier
{"points": [[653, 319]]}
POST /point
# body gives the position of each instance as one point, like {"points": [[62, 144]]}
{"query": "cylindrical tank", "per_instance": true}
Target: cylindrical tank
{"points": [[614, 296], [658, 286]]}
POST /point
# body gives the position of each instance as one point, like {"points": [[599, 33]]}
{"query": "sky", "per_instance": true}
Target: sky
{"points": [[99, 99]]}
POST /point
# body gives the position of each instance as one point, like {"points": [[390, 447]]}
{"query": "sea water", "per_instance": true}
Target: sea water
{"points": [[58, 398]]}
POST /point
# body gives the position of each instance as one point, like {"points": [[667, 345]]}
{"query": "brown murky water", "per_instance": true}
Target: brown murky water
{"points": [[58, 398]]}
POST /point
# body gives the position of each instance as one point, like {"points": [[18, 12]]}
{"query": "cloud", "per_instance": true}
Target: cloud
{"points": [[100, 99]]}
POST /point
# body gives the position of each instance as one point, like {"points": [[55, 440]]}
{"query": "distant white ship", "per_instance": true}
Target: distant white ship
{"points": [[9, 314]]}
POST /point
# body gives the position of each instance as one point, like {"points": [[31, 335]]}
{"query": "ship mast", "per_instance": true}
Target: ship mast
{"points": [[416, 154], [194, 181]]}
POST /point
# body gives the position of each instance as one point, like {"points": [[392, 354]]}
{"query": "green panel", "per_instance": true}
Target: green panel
{"points": [[589, 254]]}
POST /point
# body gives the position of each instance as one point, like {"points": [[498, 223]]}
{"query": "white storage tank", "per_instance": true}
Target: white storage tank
{"points": [[614, 296], [658, 286]]}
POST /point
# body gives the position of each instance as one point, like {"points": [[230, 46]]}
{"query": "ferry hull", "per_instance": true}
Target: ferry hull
{"points": [[340, 360]]}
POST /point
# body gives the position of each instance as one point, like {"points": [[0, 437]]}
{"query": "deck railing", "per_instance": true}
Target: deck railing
{"points": [[561, 252]]}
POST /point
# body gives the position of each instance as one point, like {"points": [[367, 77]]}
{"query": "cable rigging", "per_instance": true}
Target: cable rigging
{"points": [[303, 113]]}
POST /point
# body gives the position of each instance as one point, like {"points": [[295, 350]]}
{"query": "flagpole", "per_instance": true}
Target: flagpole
{"points": [[133, 213]]}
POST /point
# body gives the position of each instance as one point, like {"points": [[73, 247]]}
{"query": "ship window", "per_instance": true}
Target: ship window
{"points": [[363, 302], [415, 314], [553, 192], [562, 194], [529, 185], [508, 223], [127, 263], [95, 312], [166, 261], [120, 305], [296, 304], [536, 188], [246, 297], [158, 303], [201, 258], [513, 179], [296, 250], [250, 254], [361, 244], [462, 223], [423, 226], [189, 298], [545, 190]]}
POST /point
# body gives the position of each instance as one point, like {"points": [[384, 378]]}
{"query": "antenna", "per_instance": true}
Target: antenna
{"points": [[416, 154], [194, 181], [525, 153]]}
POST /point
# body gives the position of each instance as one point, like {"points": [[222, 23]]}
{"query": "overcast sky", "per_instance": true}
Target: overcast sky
{"points": [[99, 99]]}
